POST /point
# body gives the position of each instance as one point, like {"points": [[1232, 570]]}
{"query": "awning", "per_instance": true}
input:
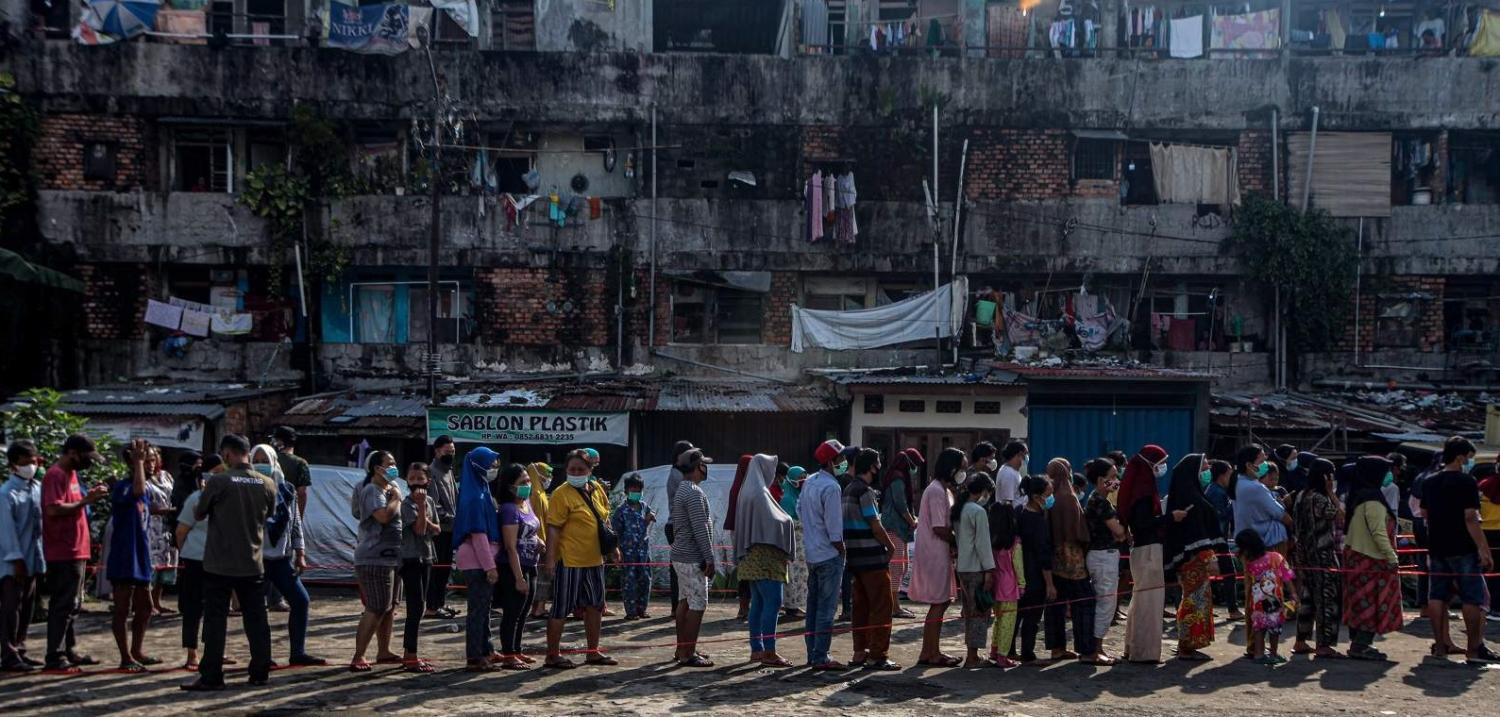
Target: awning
{"points": [[16, 267], [757, 281], [1109, 134]]}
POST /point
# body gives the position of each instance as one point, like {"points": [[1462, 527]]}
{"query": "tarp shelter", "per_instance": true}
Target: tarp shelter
{"points": [[331, 529]]}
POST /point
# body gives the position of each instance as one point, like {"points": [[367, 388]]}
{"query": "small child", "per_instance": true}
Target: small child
{"points": [[632, 522], [1268, 581], [1272, 481]]}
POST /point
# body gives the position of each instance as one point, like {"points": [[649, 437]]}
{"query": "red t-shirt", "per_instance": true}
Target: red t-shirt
{"points": [[64, 537]]}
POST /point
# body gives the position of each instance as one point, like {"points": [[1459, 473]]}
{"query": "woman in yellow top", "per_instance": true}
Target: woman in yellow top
{"points": [[1372, 589], [575, 560], [1489, 521], [541, 476]]}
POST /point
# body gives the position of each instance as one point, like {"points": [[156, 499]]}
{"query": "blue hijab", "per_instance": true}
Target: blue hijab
{"points": [[476, 509]]}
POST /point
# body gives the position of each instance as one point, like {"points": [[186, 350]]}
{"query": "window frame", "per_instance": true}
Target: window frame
{"points": [[710, 329], [1094, 150], [457, 309]]}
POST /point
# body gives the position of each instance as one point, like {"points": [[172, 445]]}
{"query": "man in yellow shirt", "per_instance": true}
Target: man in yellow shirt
{"points": [[575, 560]]}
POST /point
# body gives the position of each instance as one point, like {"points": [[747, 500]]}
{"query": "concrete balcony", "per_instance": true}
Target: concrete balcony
{"points": [[1355, 92]]}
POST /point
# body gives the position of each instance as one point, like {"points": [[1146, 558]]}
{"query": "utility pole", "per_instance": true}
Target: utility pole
{"points": [[434, 237]]}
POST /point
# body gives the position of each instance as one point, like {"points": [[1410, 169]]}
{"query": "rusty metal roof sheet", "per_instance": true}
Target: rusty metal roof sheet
{"points": [[743, 396], [1103, 371]]}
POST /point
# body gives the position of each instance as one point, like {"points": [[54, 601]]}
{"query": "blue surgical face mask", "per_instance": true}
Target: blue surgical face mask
{"points": [[1469, 466], [391, 473], [262, 468], [578, 481], [1049, 502], [1205, 478], [1262, 470], [1389, 479], [634, 496], [1291, 465], [841, 469]]}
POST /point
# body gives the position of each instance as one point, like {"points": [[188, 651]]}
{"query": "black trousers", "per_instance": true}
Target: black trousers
{"points": [[672, 574], [17, 597], [1075, 598], [437, 584], [251, 592], [1029, 613], [514, 607], [190, 600], [414, 575], [64, 585]]}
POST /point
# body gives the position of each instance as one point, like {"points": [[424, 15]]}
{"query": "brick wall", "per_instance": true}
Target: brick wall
{"points": [[1253, 156], [114, 300], [1023, 164], [1426, 294], [60, 149], [544, 307], [776, 327]]}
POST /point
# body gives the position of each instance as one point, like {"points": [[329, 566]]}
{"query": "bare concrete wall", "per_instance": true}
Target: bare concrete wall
{"points": [[1352, 92], [593, 25]]}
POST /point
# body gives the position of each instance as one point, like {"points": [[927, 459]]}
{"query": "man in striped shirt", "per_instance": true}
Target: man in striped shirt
{"points": [[868, 550], [692, 556]]}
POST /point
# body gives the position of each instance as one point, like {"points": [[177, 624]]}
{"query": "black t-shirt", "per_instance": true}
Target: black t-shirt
{"points": [[294, 469], [1445, 497], [1097, 515]]}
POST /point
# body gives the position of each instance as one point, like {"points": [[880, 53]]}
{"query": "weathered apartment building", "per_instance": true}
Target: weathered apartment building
{"points": [[630, 188]]}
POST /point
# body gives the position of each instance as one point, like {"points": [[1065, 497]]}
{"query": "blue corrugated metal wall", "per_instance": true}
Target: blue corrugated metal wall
{"points": [[1081, 433]]}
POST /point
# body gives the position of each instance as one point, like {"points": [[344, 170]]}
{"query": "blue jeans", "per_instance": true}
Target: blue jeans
{"points": [[824, 581], [1460, 575], [279, 572], [765, 607], [477, 642]]}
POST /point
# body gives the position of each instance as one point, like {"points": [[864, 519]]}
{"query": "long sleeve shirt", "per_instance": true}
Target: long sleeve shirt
{"points": [[974, 552], [1256, 508], [21, 524], [1368, 532], [445, 495], [821, 509], [693, 526], [292, 539]]}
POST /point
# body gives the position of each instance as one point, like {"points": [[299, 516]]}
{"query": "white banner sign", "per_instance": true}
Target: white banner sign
{"points": [[163, 431], [511, 426]]}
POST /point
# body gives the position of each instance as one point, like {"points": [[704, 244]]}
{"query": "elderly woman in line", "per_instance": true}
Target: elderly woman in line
{"points": [[764, 546]]}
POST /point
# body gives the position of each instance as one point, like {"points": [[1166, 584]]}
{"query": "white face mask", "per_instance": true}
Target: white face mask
{"points": [[1161, 469], [26, 472]]}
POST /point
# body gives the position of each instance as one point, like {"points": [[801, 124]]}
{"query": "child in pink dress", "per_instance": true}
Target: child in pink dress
{"points": [[1268, 580]]}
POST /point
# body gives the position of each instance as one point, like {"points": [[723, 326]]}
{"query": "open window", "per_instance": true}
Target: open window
{"points": [[1414, 164], [513, 25], [1473, 168], [1094, 158], [707, 314], [1471, 314], [744, 27], [202, 159], [1137, 180], [834, 293], [396, 312], [1397, 321]]}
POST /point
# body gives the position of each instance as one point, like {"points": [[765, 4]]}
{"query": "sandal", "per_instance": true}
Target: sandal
{"points": [[131, 667], [560, 663], [149, 661], [1369, 654], [479, 666], [359, 666], [942, 661], [1104, 661], [514, 664], [603, 661], [829, 666], [696, 661], [417, 666], [390, 660], [1193, 656], [778, 662], [190, 666]]}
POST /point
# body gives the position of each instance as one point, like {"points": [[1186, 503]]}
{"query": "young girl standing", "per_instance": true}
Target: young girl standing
{"points": [[1010, 580], [1268, 581]]}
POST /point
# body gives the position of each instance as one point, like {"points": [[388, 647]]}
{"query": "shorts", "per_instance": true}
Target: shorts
{"points": [[692, 586], [576, 589], [1462, 572], [378, 587]]}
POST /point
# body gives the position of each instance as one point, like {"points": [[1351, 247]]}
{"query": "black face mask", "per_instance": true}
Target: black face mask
{"points": [[85, 463]]}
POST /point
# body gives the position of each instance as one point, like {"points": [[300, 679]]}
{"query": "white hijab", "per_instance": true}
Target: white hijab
{"points": [[758, 517]]}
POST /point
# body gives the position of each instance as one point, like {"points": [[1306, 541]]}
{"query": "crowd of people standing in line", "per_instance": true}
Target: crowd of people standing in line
{"points": [[1022, 553]]}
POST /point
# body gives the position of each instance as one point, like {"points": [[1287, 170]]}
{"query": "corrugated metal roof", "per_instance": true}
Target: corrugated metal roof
{"points": [[872, 378], [192, 392], [1104, 371], [742, 397], [210, 411]]}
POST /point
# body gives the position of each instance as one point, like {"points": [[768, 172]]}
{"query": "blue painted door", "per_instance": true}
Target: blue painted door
{"points": [[1082, 433]]}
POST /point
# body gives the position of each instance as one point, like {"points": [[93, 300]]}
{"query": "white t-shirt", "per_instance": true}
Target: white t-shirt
{"points": [[1008, 485]]}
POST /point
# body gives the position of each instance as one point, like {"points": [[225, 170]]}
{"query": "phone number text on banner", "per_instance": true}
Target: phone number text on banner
{"points": [[498, 425]]}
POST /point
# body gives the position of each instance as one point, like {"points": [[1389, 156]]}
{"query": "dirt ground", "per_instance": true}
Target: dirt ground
{"points": [[646, 684]]}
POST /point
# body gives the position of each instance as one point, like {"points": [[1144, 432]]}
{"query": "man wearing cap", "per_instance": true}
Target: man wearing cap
{"points": [[692, 556], [821, 510], [65, 546], [445, 497], [293, 468]]}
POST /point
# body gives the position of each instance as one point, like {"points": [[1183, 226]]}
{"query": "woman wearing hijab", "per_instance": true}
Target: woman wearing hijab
{"points": [[1315, 517], [1489, 522], [1140, 503], [476, 528], [1070, 573], [1372, 589], [932, 566], [742, 586], [794, 597], [896, 491], [1192, 545], [540, 474], [764, 545]]}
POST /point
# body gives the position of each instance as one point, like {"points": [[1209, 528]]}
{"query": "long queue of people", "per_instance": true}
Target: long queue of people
{"points": [[1022, 553]]}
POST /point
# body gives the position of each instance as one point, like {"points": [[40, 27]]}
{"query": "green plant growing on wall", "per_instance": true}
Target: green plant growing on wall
{"points": [[1309, 257], [39, 416], [18, 129]]}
